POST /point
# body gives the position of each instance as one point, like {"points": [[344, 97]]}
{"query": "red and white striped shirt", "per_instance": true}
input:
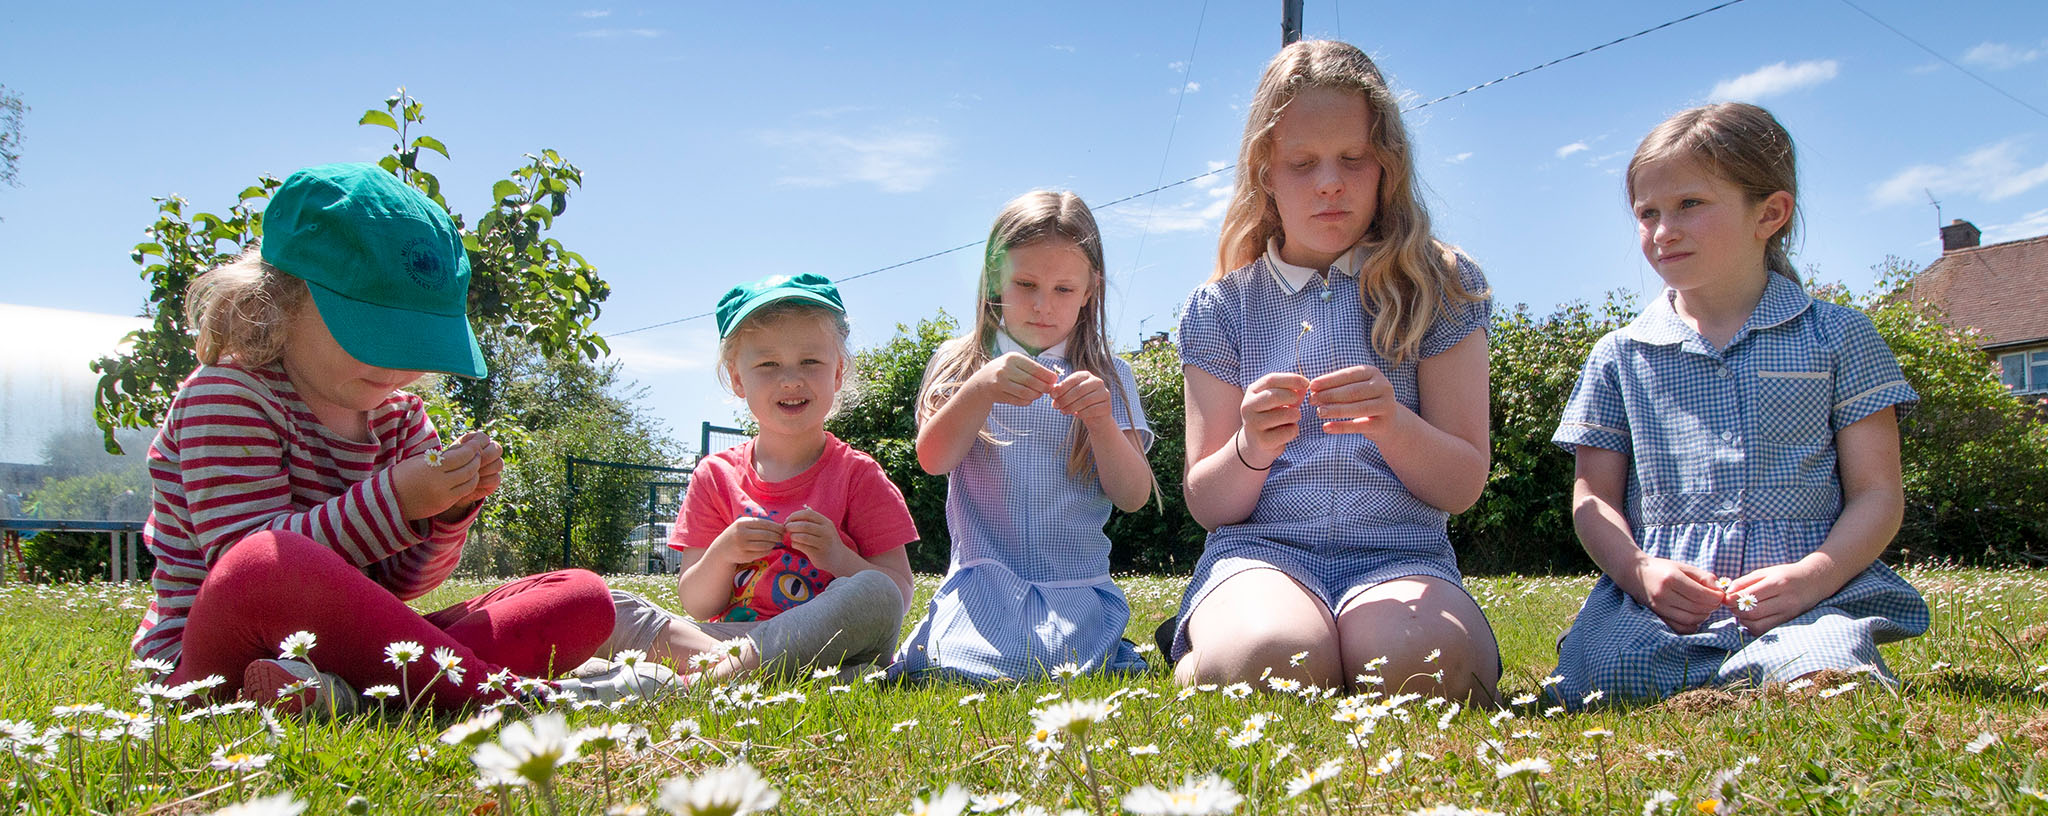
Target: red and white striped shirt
{"points": [[241, 453]]}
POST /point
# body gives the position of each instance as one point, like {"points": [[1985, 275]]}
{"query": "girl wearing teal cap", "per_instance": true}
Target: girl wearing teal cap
{"points": [[299, 491], [793, 543]]}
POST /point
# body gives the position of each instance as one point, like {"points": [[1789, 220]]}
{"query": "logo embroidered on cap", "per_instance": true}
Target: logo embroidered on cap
{"points": [[423, 264]]}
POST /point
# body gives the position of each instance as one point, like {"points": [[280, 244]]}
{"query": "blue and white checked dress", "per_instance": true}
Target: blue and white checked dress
{"points": [[1732, 468], [1029, 586], [1332, 515]]}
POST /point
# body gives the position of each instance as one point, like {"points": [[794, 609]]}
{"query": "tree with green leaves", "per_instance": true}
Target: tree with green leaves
{"points": [[11, 112], [522, 284]]}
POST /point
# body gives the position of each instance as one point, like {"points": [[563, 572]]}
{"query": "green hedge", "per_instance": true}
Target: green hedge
{"points": [[1976, 458]]}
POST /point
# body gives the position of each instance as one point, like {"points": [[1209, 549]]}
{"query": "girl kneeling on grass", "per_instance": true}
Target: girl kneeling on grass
{"points": [[793, 542], [298, 489], [1737, 444]]}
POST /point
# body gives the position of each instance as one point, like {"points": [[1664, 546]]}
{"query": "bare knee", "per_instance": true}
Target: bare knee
{"points": [[1246, 650], [1421, 636]]}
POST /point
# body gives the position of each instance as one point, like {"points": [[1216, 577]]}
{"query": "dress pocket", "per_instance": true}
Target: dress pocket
{"points": [[1792, 406]]}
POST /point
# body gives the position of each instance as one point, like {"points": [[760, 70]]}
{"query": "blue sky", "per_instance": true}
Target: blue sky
{"points": [[722, 142]]}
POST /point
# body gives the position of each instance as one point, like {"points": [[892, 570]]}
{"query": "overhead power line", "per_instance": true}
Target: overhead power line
{"points": [[1199, 176], [1951, 63]]}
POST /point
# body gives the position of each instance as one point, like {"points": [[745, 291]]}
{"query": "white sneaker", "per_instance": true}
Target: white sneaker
{"points": [[621, 682], [282, 683]]}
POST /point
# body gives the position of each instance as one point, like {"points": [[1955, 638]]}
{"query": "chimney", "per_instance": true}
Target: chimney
{"points": [[1959, 235]]}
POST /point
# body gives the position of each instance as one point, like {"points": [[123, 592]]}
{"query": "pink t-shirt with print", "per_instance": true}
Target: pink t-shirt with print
{"points": [[845, 485]]}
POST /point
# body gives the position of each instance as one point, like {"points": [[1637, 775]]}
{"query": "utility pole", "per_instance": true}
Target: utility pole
{"points": [[1290, 22]]}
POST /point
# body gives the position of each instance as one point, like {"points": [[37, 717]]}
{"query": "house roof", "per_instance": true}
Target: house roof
{"points": [[2001, 290]]}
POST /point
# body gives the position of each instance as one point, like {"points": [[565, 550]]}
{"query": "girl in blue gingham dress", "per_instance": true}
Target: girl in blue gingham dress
{"points": [[1040, 430], [1737, 444], [1337, 408]]}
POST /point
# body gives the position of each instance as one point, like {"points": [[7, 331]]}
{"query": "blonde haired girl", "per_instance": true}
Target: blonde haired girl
{"points": [[1337, 405], [1039, 427]]}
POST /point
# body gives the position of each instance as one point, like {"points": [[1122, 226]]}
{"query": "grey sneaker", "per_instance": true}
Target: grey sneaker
{"points": [[284, 684], [620, 681]]}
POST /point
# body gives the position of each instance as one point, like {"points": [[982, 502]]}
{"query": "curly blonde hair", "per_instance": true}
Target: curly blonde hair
{"points": [[1409, 275], [242, 311]]}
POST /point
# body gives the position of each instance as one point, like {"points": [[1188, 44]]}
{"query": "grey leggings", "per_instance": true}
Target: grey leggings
{"points": [[855, 620]]}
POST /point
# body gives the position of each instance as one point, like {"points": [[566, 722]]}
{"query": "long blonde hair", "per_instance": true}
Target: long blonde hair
{"points": [[1409, 275], [1739, 143], [241, 311], [1039, 215]]}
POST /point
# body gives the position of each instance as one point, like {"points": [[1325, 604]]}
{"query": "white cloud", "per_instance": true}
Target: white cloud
{"points": [[1067, 48], [1772, 80], [592, 14], [1569, 149], [1992, 173], [607, 33], [1188, 88], [2031, 225], [895, 162], [1200, 212], [2000, 57], [1177, 66], [1459, 159], [668, 350]]}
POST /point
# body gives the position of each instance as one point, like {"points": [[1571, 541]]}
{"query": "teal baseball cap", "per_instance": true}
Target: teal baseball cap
{"points": [[742, 300], [384, 263]]}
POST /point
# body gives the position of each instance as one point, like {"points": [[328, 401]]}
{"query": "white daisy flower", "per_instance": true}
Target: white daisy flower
{"points": [[734, 790], [296, 645], [1205, 796], [1533, 766]]}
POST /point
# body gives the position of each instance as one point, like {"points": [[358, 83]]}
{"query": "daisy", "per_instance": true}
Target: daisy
{"points": [[1286, 685], [1074, 716], [1148, 749], [1211, 794], [1657, 802], [381, 693], [995, 802], [971, 699], [403, 652], [1312, 780], [450, 663], [1387, 764], [1298, 657], [151, 665], [1983, 741], [1043, 740], [1745, 602], [1533, 766], [1065, 671], [1237, 691], [903, 726], [734, 790], [530, 749], [283, 804], [950, 802], [296, 645], [1844, 688], [238, 762], [473, 731], [1592, 697]]}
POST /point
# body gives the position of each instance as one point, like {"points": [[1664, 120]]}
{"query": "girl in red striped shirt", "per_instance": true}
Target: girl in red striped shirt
{"points": [[297, 489]]}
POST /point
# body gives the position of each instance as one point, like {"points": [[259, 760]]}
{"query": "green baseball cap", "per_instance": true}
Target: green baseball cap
{"points": [[742, 300], [384, 263]]}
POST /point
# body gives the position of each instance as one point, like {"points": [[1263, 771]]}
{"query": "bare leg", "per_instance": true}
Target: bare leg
{"points": [[1404, 620], [1255, 620]]}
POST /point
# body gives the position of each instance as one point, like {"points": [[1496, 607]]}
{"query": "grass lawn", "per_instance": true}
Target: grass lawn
{"points": [[1966, 732]]}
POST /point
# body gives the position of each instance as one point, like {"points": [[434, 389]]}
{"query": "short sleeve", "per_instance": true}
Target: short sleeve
{"points": [[1867, 376], [1462, 319], [1209, 332], [877, 519], [1130, 405], [1595, 414], [704, 513]]}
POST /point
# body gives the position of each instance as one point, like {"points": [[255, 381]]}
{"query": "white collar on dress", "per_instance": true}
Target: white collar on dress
{"points": [[1006, 344], [1292, 278]]}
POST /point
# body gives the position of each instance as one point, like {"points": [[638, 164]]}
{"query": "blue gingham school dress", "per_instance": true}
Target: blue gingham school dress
{"points": [[1732, 468], [1332, 515], [1029, 586]]}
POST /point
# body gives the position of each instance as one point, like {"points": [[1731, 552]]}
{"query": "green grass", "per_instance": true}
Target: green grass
{"points": [[868, 749]]}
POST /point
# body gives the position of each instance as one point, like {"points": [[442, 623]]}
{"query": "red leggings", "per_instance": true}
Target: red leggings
{"points": [[272, 584]]}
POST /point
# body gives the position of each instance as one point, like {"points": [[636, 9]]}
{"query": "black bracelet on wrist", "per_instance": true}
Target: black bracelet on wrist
{"points": [[1237, 444]]}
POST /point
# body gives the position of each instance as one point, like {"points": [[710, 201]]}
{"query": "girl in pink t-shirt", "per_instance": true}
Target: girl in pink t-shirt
{"points": [[792, 543]]}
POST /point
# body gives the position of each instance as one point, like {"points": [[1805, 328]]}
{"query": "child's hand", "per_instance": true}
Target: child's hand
{"points": [[1774, 595], [1680, 593], [1271, 416], [812, 534], [1014, 379], [1353, 400], [1085, 396], [425, 490], [745, 540], [490, 469]]}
